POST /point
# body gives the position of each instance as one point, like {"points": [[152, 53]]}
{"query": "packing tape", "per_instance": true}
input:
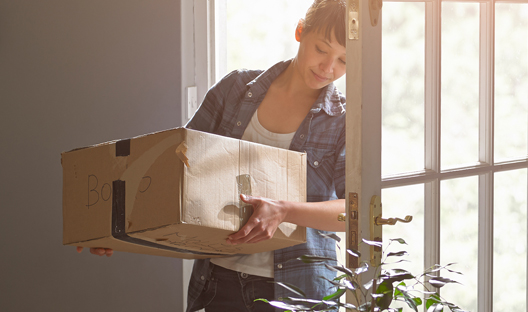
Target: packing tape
{"points": [[244, 187], [180, 152], [122, 148], [118, 222]]}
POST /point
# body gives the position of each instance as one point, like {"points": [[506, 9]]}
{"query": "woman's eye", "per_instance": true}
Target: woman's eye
{"points": [[319, 50], [343, 62]]}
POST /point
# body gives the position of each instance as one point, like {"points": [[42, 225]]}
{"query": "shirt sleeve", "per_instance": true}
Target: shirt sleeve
{"points": [[209, 115]]}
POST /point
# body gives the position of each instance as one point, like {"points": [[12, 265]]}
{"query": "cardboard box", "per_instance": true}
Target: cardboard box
{"points": [[176, 193]]}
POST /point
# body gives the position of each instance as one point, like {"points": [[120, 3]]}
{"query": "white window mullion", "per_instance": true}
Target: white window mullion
{"points": [[432, 131], [432, 85], [486, 84], [486, 155], [217, 50], [203, 45], [187, 55], [432, 224], [485, 246]]}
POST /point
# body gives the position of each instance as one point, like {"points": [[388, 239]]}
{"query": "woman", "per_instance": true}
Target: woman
{"points": [[294, 105]]}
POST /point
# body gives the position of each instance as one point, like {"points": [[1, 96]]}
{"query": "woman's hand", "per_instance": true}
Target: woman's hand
{"points": [[267, 216], [98, 251]]}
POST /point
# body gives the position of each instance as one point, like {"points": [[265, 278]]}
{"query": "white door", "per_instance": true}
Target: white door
{"points": [[453, 117]]}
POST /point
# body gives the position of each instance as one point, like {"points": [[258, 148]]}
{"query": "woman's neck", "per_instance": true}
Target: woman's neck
{"points": [[292, 84]]}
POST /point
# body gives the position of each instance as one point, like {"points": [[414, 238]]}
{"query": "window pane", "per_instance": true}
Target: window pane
{"points": [[399, 202], [460, 83], [509, 246], [511, 81], [459, 239], [403, 87], [262, 33]]}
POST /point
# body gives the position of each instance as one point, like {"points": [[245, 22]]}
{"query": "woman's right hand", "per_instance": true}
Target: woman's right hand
{"points": [[98, 251]]}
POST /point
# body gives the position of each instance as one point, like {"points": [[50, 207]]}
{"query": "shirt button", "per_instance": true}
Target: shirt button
{"points": [[239, 123], [316, 163], [244, 275], [202, 278], [302, 136], [279, 266], [250, 94]]}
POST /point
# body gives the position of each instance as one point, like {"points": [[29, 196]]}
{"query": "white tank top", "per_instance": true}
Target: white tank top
{"points": [[260, 264]]}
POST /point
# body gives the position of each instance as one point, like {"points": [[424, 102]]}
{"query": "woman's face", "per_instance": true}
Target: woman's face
{"points": [[319, 60]]}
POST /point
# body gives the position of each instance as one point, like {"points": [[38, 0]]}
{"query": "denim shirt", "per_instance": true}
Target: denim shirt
{"points": [[227, 110]]}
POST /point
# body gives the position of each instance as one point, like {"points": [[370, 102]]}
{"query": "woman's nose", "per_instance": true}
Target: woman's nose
{"points": [[327, 65]]}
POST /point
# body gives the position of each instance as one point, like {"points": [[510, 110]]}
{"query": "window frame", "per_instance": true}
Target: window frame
{"points": [[485, 169]]}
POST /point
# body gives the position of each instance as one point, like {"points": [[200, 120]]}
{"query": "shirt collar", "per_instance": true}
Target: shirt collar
{"points": [[330, 100]]}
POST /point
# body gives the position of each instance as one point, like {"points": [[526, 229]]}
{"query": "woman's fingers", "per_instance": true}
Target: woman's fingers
{"points": [[261, 225], [101, 251]]}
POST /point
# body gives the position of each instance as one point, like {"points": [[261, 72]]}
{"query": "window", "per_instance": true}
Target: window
{"points": [[454, 149]]}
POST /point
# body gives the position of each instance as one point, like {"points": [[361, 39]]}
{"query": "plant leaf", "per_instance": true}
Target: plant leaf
{"points": [[355, 284], [372, 243], [301, 300], [314, 259], [286, 306], [385, 289], [365, 307], [439, 268], [396, 275], [432, 300], [339, 268], [397, 292], [401, 287], [335, 295], [330, 235], [439, 282], [411, 303], [399, 240], [348, 306], [363, 268], [397, 254], [368, 284], [354, 252], [425, 292], [453, 271], [294, 289], [437, 307], [399, 261], [344, 283], [453, 307], [418, 301]]}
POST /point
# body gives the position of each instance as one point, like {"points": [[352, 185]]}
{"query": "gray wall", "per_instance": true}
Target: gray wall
{"points": [[75, 73]]}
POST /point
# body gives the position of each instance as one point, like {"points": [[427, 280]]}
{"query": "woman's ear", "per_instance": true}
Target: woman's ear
{"points": [[298, 30]]}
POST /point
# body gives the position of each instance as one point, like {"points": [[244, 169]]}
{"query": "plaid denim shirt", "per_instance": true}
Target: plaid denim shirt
{"points": [[226, 110]]}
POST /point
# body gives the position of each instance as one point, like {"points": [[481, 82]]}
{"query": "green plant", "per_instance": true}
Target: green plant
{"points": [[378, 294]]}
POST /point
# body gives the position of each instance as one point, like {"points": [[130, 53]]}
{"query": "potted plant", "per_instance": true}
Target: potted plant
{"points": [[388, 286]]}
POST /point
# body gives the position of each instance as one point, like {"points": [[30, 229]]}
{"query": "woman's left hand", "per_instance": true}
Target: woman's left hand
{"points": [[267, 216]]}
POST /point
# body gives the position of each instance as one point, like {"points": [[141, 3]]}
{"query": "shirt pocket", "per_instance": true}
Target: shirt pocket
{"points": [[318, 157], [320, 174]]}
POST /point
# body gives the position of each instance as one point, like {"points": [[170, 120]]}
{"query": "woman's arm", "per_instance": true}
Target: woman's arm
{"points": [[269, 214]]}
